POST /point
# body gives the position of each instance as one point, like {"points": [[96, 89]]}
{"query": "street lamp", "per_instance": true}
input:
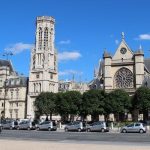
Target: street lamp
{"points": [[6, 54]]}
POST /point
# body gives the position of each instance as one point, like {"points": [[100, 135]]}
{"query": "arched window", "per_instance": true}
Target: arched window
{"points": [[45, 37], [123, 78], [40, 38]]}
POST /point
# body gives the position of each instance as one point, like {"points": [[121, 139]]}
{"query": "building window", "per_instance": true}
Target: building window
{"points": [[51, 76], [123, 78], [37, 76], [2, 104], [40, 38], [17, 93], [11, 94]]}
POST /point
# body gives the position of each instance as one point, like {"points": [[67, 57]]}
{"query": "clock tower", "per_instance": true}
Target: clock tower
{"points": [[43, 76]]}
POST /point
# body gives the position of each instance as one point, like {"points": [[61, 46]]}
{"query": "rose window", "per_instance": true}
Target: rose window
{"points": [[123, 78]]}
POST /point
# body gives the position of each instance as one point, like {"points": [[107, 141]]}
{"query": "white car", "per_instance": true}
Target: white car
{"points": [[134, 127]]}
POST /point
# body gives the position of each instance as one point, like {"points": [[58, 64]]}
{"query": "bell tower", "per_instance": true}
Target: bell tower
{"points": [[43, 76]]}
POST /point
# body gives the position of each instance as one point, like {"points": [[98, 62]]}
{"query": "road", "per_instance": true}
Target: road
{"points": [[75, 136]]}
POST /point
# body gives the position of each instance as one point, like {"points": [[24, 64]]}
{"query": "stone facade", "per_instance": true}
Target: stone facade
{"points": [[43, 74], [13, 92], [126, 69], [72, 86]]}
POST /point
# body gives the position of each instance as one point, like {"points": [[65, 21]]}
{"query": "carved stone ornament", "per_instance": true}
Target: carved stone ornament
{"points": [[123, 78]]}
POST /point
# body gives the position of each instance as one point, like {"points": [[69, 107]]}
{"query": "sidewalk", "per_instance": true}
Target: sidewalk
{"points": [[66, 145]]}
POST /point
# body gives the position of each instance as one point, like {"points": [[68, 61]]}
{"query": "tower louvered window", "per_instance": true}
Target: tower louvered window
{"points": [[40, 38], [45, 38]]}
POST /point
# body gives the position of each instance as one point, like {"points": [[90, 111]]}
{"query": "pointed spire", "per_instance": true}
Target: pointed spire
{"points": [[140, 47], [122, 35]]}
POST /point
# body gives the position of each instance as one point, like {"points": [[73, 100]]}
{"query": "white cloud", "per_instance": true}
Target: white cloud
{"points": [[65, 42], [117, 42], [70, 72], [68, 56], [18, 47], [144, 37]]}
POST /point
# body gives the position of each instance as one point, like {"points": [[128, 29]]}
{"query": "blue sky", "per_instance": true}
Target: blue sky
{"points": [[84, 28]]}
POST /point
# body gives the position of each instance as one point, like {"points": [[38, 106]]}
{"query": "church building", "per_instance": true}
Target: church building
{"points": [[126, 69]]}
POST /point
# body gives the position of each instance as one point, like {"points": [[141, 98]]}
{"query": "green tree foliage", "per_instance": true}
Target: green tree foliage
{"points": [[69, 103], [118, 102], [93, 103], [141, 101], [45, 103]]}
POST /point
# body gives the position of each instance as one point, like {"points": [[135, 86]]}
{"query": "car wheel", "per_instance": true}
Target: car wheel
{"points": [[79, 130], [141, 131], [66, 129], [102, 130], [124, 131], [28, 128], [49, 129], [88, 130], [38, 129]]}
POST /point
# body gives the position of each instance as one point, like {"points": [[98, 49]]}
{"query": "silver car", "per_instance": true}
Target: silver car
{"points": [[98, 126], [0, 128], [9, 124], [47, 125], [75, 126], [134, 127], [28, 125]]}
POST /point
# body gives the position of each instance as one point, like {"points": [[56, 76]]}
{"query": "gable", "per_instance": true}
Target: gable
{"points": [[123, 51]]}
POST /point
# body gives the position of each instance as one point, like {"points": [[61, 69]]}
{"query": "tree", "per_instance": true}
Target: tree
{"points": [[74, 99], [62, 106], [141, 101], [45, 104], [93, 103], [69, 103], [118, 102]]}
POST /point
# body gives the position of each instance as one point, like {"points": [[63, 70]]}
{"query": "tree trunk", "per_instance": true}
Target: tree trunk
{"points": [[135, 114], [51, 116], [145, 115], [116, 115], [95, 117], [106, 117], [121, 116]]}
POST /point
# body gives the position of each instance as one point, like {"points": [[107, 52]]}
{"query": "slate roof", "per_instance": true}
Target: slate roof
{"points": [[147, 63], [6, 63], [17, 82]]}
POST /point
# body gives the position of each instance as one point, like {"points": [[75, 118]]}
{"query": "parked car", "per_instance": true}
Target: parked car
{"points": [[134, 127], [98, 126], [9, 124], [0, 128], [28, 125], [75, 126], [47, 125]]}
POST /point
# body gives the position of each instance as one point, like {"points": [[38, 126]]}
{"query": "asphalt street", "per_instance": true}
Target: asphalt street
{"points": [[75, 136]]}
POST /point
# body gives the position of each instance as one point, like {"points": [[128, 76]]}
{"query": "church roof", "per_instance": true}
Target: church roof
{"points": [[147, 63]]}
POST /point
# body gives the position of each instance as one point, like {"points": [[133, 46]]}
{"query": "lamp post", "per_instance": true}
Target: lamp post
{"points": [[6, 54]]}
